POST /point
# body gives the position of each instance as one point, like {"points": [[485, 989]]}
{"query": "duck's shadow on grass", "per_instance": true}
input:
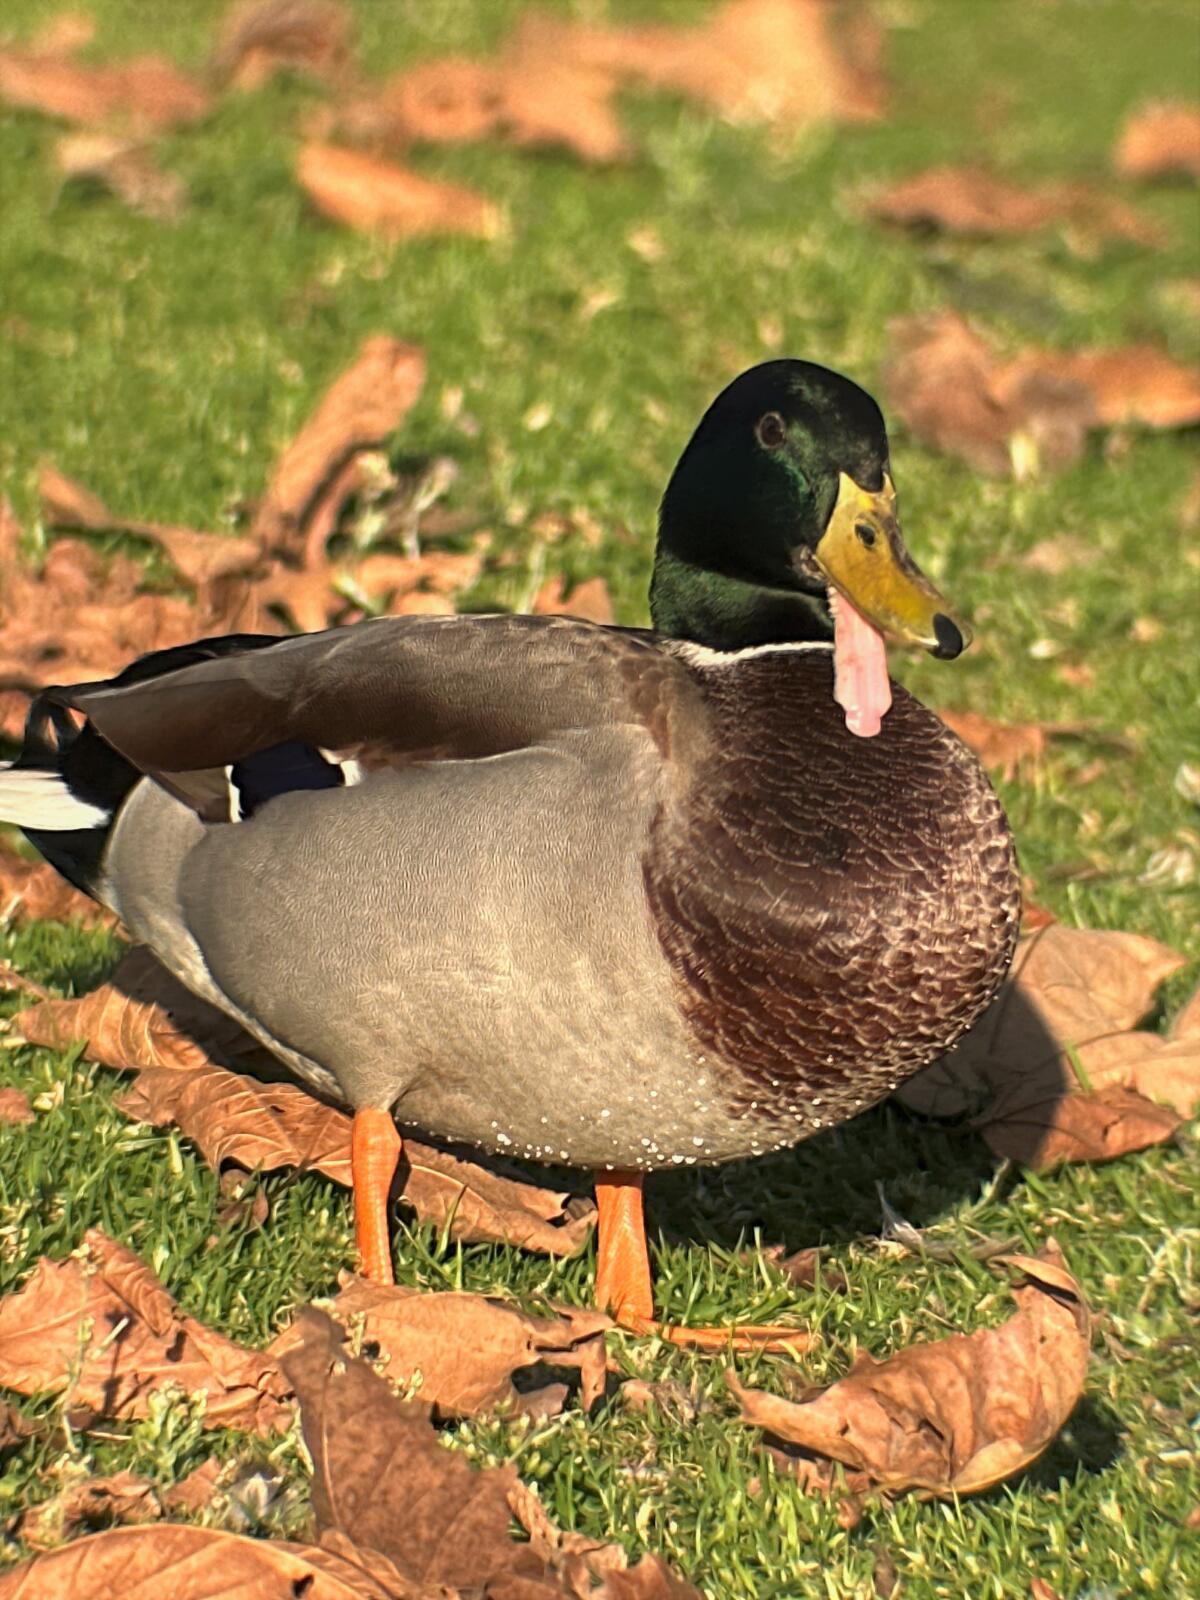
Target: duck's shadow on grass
{"points": [[828, 1190], [1090, 1441]]}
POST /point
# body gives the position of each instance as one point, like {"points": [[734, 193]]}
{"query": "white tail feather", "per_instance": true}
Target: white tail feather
{"points": [[34, 799]]}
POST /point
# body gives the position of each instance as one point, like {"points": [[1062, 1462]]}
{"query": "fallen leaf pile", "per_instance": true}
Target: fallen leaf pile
{"points": [[786, 63], [101, 1330], [1056, 1069], [952, 1417], [396, 1516], [84, 616], [1034, 411]]}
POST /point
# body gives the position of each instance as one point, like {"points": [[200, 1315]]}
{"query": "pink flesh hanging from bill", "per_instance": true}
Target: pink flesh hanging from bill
{"points": [[861, 684]]}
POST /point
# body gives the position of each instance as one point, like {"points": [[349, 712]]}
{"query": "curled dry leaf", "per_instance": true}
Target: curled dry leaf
{"points": [[199, 557], [33, 891], [450, 1526], [967, 200], [127, 169], [590, 600], [360, 410], [260, 38], [1034, 411], [144, 1020], [464, 1347], [106, 1331], [1052, 1072], [189, 1563], [365, 192], [1161, 141], [147, 94], [955, 1416]]}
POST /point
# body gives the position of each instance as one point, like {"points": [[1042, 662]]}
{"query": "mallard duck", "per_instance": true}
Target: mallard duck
{"points": [[619, 898]]}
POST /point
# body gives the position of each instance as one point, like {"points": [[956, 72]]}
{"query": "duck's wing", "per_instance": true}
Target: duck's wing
{"points": [[393, 691]]}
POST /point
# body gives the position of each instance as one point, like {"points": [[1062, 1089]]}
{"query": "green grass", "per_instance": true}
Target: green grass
{"points": [[165, 365]]}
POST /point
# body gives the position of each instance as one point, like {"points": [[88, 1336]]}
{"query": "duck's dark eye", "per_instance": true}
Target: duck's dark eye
{"points": [[865, 532], [770, 430]]}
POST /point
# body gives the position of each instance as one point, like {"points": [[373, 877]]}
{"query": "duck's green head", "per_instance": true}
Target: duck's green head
{"points": [[783, 495]]}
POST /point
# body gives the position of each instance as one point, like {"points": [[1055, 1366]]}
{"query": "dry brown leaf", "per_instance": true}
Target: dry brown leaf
{"points": [[958, 1415], [32, 890], [1052, 1071], [450, 1526], [129, 1021], [86, 1502], [126, 168], [464, 1348], [1136, 383], [190, 1563], [478, 1204], [941, 380], [1006, 747], [104, 1330], [14, 1106], [785, 62], [967, 200], [144, 1020], [440, 572], [362, 191], [361, 409], [199, 557], [260, 38], [1160, 141], [1080, 1127], [1033, 412], [590, 600], [146, 93]]}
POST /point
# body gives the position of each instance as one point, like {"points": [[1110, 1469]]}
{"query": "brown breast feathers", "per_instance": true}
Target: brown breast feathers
{"points": [[836, 910]]}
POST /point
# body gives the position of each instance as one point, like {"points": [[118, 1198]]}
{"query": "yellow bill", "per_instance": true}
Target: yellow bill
{"points": [[863, 556]]}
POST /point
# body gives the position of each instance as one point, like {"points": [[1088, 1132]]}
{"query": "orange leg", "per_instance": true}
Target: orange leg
{"points": [[374, 1152], [623, 1277]]}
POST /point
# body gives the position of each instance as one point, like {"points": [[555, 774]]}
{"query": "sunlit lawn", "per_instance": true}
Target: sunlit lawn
{"points": [[165, 364]]}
